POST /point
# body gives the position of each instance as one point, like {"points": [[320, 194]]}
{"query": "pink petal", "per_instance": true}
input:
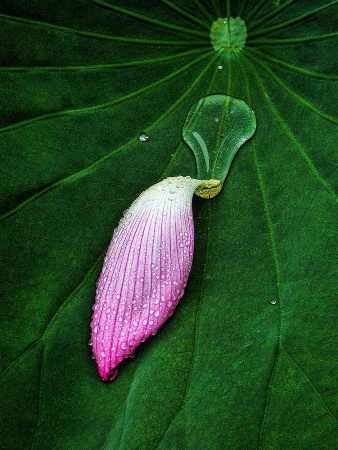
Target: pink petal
{"points": [[144, 272]]}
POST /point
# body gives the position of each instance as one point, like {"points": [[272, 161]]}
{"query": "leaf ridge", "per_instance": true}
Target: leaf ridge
{"points": [[292, 67], [96, 67], [203, 10], [60, 309], [180, 408], [275, 258], [146, 19], [114, 102], [98, 36], [298, 97], [244, 4], [287, 41], [293, 20], [293, 138], [196, 322], [307, 378], [185, 14], [85, 171], [216, 7], [254, 11], [38, 419], [271, 15]]}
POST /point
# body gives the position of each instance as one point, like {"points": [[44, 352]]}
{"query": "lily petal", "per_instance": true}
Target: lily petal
{"points": [[145, 271]]}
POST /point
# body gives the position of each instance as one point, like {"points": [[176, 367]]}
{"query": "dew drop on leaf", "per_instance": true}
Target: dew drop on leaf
{"points": [[143, 137]]}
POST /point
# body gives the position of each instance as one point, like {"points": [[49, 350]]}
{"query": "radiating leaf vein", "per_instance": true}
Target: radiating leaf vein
{"points": [[116, 101], [150, 20], [290, 22], [293, 67], [296, 96], [81, 173], [99, 36], [292, 137]]}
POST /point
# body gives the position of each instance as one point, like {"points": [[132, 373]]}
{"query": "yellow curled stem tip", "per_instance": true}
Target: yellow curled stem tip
{"points": [[209, 189]]}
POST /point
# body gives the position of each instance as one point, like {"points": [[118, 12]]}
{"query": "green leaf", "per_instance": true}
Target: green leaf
{"points": [[248, 360]]}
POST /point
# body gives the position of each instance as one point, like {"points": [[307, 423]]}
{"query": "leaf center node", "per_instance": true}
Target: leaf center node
{"points": [[228, 35]]}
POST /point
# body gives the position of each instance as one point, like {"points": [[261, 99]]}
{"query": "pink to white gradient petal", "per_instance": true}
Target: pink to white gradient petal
{"points": [[145, 271]]}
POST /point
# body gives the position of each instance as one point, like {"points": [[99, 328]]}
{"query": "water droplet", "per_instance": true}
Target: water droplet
{"points": [[143, 137], [175, 283], [123, 345], [103, 354], [93, 356], [220, 67], [145, 321], [172, 191], [96, 329], [118, 296], [156, 313], [273, 302], [216, 119]]}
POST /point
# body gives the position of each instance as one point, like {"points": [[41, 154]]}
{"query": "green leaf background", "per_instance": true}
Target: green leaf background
{"points": [[248, 360]]}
